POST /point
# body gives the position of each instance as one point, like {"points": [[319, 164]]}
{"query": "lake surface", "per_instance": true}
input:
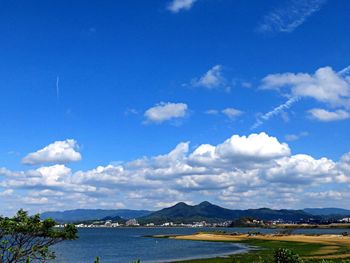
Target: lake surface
{"points": [[114, 245]]}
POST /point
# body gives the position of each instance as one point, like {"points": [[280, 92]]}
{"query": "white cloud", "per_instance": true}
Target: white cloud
{"points": [[51, 175], [327, 116], [212, 79], [7, 192], [35, 201], [325, 86], [291, 137], [240, 150], [232, 113], [212, 112], [57, 152], [176, 6], [165, 112], [295, 137], [254, 146], [301, 168], [131, 111], [117, 205], [288, 18], [242, 171], [326, 194]]}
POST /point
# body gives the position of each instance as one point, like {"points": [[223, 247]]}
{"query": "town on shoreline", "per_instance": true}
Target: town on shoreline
{"points": [[242, 222]]}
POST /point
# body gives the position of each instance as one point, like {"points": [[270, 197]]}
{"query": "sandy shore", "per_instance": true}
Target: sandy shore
{"points": [[333, 244], [320, 239]]}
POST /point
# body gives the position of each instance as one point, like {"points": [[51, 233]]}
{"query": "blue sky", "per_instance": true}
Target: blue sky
{"points": [[115, 83]]}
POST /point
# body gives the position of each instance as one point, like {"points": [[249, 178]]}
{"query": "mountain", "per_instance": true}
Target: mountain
{"points": [[271, 214], [327, 211], [184, 213], [205, 211], [92, 214]]}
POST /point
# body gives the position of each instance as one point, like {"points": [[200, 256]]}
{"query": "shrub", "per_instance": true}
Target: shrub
{"points": [[283, 255]]}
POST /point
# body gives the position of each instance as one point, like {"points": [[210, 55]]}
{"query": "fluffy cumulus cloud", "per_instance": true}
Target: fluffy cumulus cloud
{"points": [[165, 111], [242, 171], [57, 152], [176, 6], [240, 151], [302, 169], [290, 16], [212, 79]]}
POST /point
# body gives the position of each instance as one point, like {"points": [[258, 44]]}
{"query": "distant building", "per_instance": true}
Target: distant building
{"points": [[132, 222], [108, 223], [200, 224], [345, 220]]}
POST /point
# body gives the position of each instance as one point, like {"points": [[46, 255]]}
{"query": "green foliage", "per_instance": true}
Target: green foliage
{"points": [[27, 239], [245, 222], [97, 260], [283, 255]]}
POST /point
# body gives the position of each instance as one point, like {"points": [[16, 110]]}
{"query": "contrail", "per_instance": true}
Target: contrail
{"points": [[57, 88], [275, 111], [344, 71], [265, 117]]}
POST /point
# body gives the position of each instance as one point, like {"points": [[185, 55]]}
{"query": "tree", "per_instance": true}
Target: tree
{"points": [[26, 238]]}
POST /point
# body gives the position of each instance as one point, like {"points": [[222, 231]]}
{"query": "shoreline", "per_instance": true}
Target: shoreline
{"points": [[326, 246], [242, 250]]}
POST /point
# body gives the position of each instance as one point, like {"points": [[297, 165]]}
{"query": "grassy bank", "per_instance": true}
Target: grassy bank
{"points": [[308, 226], [310, 248]]}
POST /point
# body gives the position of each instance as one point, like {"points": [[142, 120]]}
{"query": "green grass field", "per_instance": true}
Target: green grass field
{"points": [[264, 250]]}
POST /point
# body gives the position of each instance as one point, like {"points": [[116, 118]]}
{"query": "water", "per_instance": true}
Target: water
{"points": [[114, 245]]}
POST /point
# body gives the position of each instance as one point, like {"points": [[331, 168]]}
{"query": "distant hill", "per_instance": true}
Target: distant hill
{"points": [[327, 211], [79, 215], [205, 211], [182, 212]]}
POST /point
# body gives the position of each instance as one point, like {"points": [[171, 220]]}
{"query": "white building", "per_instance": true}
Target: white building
{"points": [[132, 222], [108, 223]]}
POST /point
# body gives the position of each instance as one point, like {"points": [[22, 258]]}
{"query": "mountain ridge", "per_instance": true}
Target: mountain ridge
{"points": [[76, 215], [204, 211], [328, 211]]}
